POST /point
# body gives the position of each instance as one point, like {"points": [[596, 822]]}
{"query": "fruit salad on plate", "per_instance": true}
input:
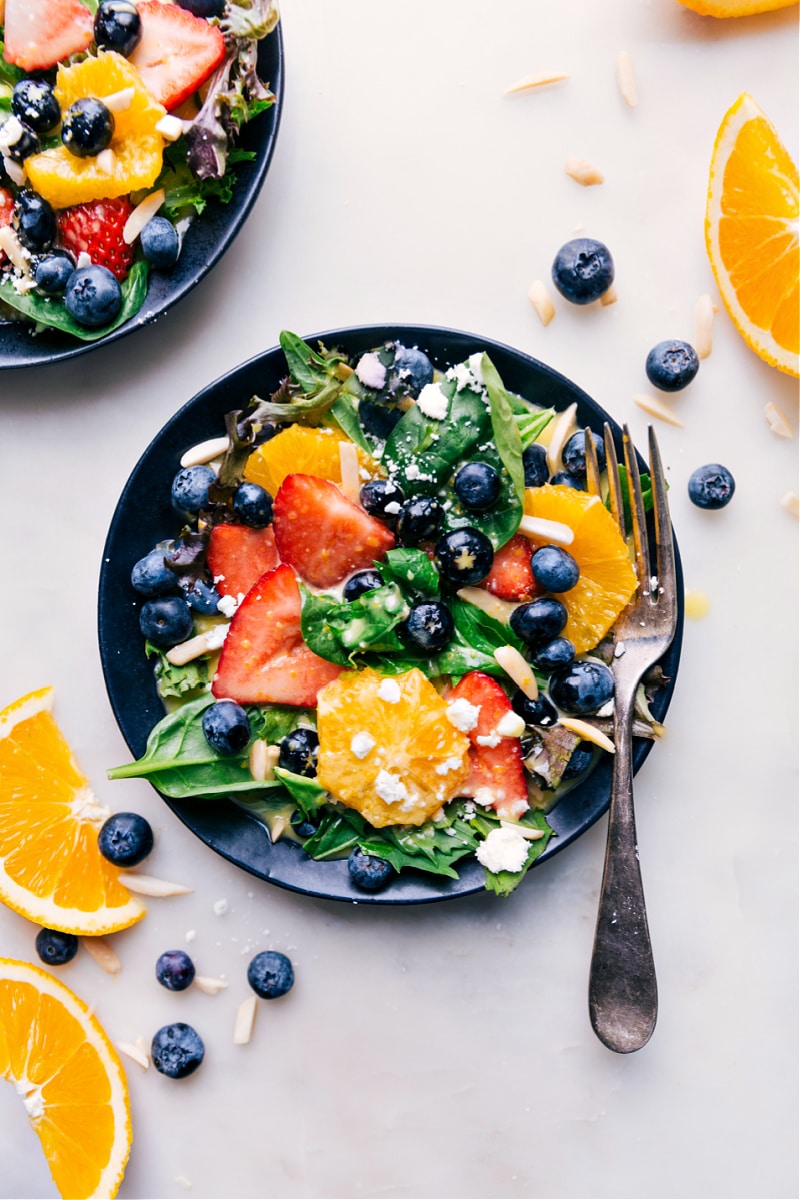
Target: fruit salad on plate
{"points": [[118, 126], [384, 623]]}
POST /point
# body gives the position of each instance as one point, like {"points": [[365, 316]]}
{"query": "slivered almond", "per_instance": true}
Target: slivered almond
{"points": [[542, 530], [144, 211], [148, 885], [696, 604], [14, 249], [106, 161], [348, 464], [583, 172], [587, 731], [656, 408], [791, 503], [531, 835], [501, 610], [211, 987], [245, 1020], [262, 760], [777, 421], [203, 643], [542, 304], [170, 128], [102, 954], [510, 725], [561, 429], [518, 669], [135, 1052], [609, 297], [119, 101], [530, 82], [703, 325], [203, 452], [626, 79]]}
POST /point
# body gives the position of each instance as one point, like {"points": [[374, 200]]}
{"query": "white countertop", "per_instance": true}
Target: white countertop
{"points": [[445, 1050]]}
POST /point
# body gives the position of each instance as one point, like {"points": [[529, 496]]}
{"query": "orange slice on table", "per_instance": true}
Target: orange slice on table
{"points": [[752, 239], [51, 870], [302, 450], [387, 748], [137, 146], [68, 1076], [734, 8], [607, 580]]}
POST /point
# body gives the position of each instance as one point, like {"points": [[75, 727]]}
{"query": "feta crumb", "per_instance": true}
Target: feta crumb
{"points": [[433, 402], [448, 765], [413, 471], [463, 715], [361, 744], [191, 934], [619, 649], [607, 710], [464, 376], [489, 739], [392, 508], [219, 907], [505, 849], [371, 371], [475, 361], [390, 788], [227, 605], [484, 796], [389, 691]]}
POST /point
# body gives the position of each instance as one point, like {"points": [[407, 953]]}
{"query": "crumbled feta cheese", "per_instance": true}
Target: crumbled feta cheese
{"points": [[464, 377], [390, 788], [619, 649], [475, 361], [413, 471], [371, 371], [392, 508], [227, 605], [484, 796], [361, 744], [489, 739], [83, 260], [607, 710], [433, 402], [10, 133], [463, 715], [448, 765], [219, 907], [389, 691], [505, 849]]}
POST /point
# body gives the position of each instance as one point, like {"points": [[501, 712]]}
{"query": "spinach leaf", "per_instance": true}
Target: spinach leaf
{"points": [[9, 74], [317, 633], [503, 883], [532, 423], [506, 432], [306, 367], [312, 387], [412, 571], [480, 630], [53, 314], [340, 630], [339, 831], [271, 723], [647, 494], [306, 792], [433, 847], [343, 412]]}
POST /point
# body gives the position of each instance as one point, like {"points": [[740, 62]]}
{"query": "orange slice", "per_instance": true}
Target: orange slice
{"points": [[734, 8], [303, 450], [51, 870], [607, 580], [69, 1078], [751, 227], [137, 146], [386, 747]]}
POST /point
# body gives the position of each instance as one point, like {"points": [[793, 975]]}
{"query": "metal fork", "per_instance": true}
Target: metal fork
{"points": [[623, 998]]}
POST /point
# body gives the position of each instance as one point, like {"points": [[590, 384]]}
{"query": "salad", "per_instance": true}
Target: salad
{"points": [[118, 126], [384, 623]]}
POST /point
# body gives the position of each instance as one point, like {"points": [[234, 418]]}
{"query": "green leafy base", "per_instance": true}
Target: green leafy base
{"points": [[50, 313]]}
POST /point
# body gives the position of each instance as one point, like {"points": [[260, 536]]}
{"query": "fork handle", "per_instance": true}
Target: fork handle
{"points": [[623, 999]]}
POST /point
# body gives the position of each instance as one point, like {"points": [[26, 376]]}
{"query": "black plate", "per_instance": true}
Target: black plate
{"points": [[144, 516], [204, 243]]}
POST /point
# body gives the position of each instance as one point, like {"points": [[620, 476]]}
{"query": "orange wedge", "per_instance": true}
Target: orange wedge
{"points": [[51, 870], [607, 580], [387, 748], [303, 450], [752, 233], [69, 1078], [734, 8]]}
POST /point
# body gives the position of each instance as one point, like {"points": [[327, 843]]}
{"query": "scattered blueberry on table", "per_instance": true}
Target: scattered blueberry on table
{"points": [[175, 970], [56, 948], [583, 270], [711, 486], [125, 839], [270, 974], [177, 1050], [671, 365]]}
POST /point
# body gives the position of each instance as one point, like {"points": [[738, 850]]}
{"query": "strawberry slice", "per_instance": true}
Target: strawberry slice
{"points": [[177, 51], [322, 534], [95, 228], [496, 769], [511, 577], [238, 556], [264, 659], [40, 33], [6, 213]]}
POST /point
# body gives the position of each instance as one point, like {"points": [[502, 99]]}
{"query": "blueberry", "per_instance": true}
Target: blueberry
{"points": [[564, 479], [582, 687], [270, 974], [299, 751], [429, 626], [203, 8], [574, 454], [367, 871], [175, 970], [583, 270], [53, 272], [253, 505], [711, 486], [554, 569], [190, 488], [34, 220], [302, 826], [166, 621], [93, 297], [538, 622], [56, 948], [378, 419], [151, 576], [420, 520], [558, 653], [582, 758], [87, 127], [117, 26], [477, 486], [378, 495], [177, 1050], [672, 366], [34, 102], [465, 556], [125, 839], [17, 140], [160, 242], [361, 582], [413, 369], [534, 712], [201, 596], [226, 727], [534, 464]]}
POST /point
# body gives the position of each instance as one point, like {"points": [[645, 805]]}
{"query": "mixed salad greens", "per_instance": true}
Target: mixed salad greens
{"points": [[297, 625]]}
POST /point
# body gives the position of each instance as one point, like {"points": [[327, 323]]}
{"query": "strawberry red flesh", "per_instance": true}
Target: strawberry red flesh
{"points": [[238, 556], [322, 534], [511, 577], [6, 213], [264, 659], [95, 228], [40, 33], [177, 51], [498, 768]]}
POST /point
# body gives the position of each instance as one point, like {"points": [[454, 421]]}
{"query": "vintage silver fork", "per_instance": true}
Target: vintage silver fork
{"points": [[623, 998]]}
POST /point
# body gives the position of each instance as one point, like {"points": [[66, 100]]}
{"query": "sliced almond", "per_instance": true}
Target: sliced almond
{"points": [[211, 987], [10, 243], [170, 127], [106, 161], [348, 464], [609, 297], [530, 82], [119, 101], [203, 452], [134, 1051], [656, 408], [561, 428], [777, 421], [587, 731], [626, 79], [510, 725], [542, 304], [102, 954], [550, 532], [203, 643], [530, 835], [696, 604], [144, 211], [148, 885], [703, 325], [245, 1020], [501, 610], [791, 503], [262, 760], [518, 669], [583, 172]]}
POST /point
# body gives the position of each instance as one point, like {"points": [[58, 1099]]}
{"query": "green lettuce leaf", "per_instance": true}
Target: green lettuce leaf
{"points": [[52, 314]]}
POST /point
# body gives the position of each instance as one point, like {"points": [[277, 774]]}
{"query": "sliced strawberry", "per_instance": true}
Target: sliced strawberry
{"points": [[40, 33], [497, 768], [511, 577], [324, 536], [238, 556], [95, 228], [264, 659], [177, 52], [6, 213]]}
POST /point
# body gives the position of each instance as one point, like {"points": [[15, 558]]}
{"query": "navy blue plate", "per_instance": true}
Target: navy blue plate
{"points": [[204, 243], [144, 516]]}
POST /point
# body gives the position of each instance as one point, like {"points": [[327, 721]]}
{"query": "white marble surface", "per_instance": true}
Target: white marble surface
{"points": [[445, 1051]]}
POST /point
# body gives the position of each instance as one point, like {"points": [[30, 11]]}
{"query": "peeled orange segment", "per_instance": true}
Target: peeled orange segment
{"points": [[68, 1076], [303, 450], [51, 870], [734, 8], [607, 580], [386, 747], [137, 146], [752, 217]]}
